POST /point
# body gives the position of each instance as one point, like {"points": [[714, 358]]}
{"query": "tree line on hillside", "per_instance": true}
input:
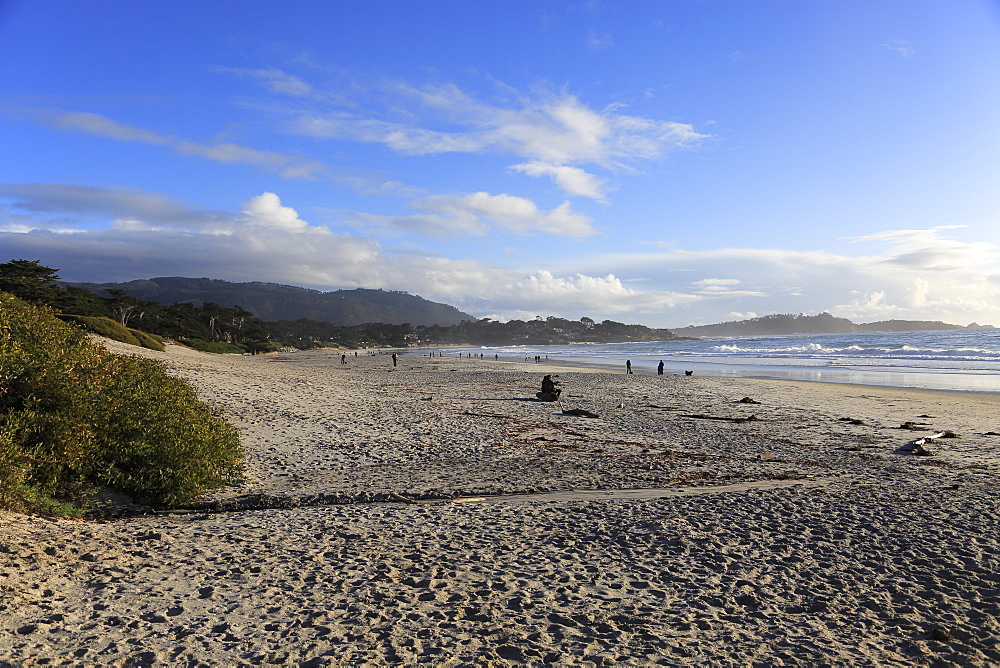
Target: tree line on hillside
{"points": [[243, 331], [37, 284], [272, 301], [484, 332]]}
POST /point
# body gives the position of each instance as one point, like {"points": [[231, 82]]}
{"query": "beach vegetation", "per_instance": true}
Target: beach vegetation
{"points": [[211, 346], [111, 329], [76, 419]]}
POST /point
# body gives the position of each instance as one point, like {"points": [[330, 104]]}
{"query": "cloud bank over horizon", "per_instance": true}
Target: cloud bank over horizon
{"points": [[907, 274]]}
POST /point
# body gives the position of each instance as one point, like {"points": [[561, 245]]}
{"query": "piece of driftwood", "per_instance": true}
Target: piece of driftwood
{"points": [[493, 415], [916, 446], [915, 426], [851, 420], [579, 412], [737, 420]]}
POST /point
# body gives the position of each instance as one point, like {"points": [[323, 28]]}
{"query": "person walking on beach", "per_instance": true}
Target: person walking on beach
{"points": [[628, 366], [343, 358], [659, 368], [394, 359]]}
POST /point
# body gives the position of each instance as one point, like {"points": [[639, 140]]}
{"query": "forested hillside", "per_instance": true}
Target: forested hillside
{"points": [[273, 302]]}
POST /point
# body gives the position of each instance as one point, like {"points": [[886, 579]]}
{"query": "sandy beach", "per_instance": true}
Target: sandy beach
{"points": [[435, 513]]}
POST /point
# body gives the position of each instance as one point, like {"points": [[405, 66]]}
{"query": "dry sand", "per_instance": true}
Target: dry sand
{"points": [[433, 514]]}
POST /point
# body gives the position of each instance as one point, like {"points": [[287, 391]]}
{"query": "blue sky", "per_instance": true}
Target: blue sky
{"points": [[664, 163]]}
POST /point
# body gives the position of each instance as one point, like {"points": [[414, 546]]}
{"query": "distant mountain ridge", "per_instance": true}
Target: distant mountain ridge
{"points": [[272, 301], [824, 323]]}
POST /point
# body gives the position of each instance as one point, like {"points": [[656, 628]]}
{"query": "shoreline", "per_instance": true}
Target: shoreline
{"points": [[584, 366], [818, 544], [935, 360]]}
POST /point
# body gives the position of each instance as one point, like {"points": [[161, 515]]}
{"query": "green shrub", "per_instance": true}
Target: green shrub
{"points": [[72, 413], [212, 346], [104, 327], [114, 330], [267, 347], [146, 340], [155, 439]]}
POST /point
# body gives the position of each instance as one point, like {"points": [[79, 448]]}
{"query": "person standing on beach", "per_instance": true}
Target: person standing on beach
{"points": [[394, 359], [628, 366], [659, 368]]}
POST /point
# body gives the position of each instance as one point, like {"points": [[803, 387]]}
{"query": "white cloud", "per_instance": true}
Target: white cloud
{"points": [[956, 287], [146, 235], [274, 80], [477, 213], [950, 298], [710, 284], [901, 47], [134, 225], [229, 153], [59, 203], [572, 180], [929, 250], [267, 211], [96, 124], [580, 294], [597, 42], [552, 128], [544, 284], [268, 240], [717, 287], [288, 166], [371, 182], [919, 293], [517, 214], [420, 224]]}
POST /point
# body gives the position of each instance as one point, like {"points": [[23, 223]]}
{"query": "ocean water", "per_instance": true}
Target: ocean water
{"points": [[948, 360]]}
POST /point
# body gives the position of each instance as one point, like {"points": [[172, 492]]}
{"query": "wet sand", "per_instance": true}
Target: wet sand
{"points": [[434, 513]]}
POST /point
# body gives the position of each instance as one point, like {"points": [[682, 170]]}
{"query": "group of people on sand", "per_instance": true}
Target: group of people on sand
{"points": [[659, 367], [343, 357]]}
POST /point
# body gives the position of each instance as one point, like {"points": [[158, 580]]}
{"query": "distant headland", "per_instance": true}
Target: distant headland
{"points": [[824, 323]]}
